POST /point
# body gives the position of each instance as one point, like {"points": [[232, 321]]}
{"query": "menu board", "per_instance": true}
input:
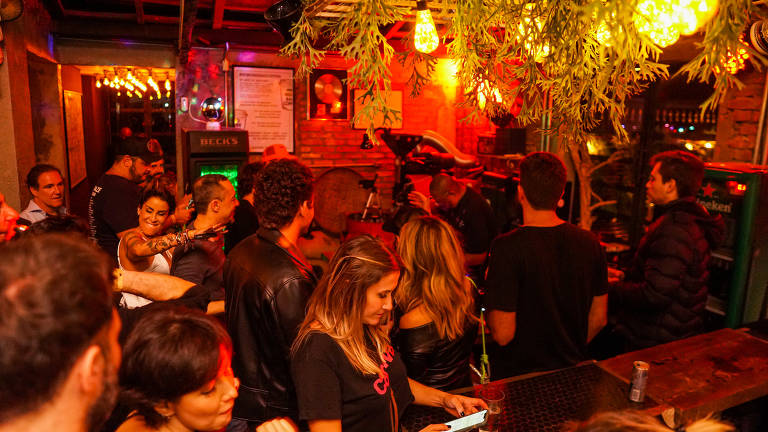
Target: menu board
{"points": [[264, 106]]}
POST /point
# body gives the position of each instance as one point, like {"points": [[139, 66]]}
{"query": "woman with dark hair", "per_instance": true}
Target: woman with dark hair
{"points": [[437, 329], [348, 375], [176, 374], [144, 248]]}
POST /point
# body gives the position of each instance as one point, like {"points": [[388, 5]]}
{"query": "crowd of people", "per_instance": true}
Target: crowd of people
{"points": [[166, 320]]}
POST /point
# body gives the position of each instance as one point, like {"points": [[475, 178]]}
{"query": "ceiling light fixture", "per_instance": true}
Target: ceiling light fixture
{"points": [[425, 37]]}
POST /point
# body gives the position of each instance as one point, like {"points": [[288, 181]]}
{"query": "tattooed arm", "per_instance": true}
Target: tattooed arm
{"points": [[136, 248], [154, 286]]}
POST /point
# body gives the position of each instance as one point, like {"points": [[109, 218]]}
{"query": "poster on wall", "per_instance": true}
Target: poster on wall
{"points": [[393, 99], [264, 106], [73, 117]]}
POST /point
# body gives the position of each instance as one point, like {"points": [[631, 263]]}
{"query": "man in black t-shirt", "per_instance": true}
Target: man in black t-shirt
{"points": [[115, 198], [546, 281], [468, 213], [202, 261]]}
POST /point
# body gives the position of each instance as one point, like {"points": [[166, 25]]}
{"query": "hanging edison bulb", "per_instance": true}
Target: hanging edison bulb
{"points": [[425, 37], [704, 9], [603, 35], [657, 20], [98, 84], [735, 62], [687, 19], [484, 92], [528, 28]]}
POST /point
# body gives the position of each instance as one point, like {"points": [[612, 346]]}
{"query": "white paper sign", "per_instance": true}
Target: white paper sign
{"points": [[264, 106]]}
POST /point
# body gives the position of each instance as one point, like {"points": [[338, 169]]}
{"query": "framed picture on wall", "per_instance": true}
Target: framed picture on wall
{"points": [[73, 118], [328, 98], [263, 102], [393, 99]]}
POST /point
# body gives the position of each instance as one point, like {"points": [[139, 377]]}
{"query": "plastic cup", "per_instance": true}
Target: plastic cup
{"points": [[494, 397]]}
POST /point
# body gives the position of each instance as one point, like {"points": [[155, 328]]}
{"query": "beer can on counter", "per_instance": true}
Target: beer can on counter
{"points": [[639, 381]]}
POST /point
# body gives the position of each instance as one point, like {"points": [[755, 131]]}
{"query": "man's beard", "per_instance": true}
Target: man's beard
{"points": [[135, 176], [99, 411]]}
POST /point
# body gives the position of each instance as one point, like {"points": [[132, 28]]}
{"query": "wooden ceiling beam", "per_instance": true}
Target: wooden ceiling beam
{"points": [[187, 27], [164, 33], [218, 13], [139, 11], [394, 29]]}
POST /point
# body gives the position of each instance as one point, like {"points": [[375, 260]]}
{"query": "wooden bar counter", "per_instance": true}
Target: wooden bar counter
{"points": [[702, 374], [688, 379]]}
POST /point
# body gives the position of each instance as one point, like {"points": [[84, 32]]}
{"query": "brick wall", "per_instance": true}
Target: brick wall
{"points": [[325, 144], [738, 118]]}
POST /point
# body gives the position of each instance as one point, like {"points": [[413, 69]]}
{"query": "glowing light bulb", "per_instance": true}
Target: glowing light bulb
{"points": [[527, 29], [425, 37], [484, 90], [118, 93], [138, 94], [129, 93], [657, 20], [733, 63], [603, 35], [167, 84], [687, 20], [98, 84]]}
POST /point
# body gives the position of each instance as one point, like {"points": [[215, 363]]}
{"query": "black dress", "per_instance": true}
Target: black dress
{"points": [[437, 362]]}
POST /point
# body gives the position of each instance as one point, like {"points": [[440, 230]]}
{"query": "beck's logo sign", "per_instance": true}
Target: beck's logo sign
{"points": [[219, 142]]}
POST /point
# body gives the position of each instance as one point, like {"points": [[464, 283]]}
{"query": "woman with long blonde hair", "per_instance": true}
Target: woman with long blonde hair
{"points": [[437, 328], [348, 376]]}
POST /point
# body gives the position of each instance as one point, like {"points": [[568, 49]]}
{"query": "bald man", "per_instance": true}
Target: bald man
{"points": [[468, 213]]}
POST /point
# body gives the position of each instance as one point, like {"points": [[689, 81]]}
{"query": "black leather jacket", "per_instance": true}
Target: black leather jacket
{"points": [[267, 288], [436, 362]]}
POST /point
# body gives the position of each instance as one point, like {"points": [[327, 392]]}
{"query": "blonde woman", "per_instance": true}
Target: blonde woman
{"points": [[635, 421], [348, 376], [437, 328]]}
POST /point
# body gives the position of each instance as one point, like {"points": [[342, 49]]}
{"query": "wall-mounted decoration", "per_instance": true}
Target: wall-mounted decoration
{"points": [[393, 99], [328, 95], [73, 117], [263, 101]]}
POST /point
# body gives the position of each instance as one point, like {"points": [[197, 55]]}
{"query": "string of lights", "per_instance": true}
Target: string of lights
{"points": [[125, 80]]}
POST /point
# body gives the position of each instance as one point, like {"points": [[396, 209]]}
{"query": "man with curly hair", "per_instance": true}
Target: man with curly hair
{"points": [[268, 282]]}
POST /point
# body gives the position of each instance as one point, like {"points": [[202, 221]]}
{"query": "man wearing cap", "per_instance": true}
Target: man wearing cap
{"points": [[276, 152], [114, 199]]}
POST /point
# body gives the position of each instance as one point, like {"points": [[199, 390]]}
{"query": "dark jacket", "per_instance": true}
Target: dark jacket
{"points": [[246, 223], [439, 363], [665, 291], [267, 289]]}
